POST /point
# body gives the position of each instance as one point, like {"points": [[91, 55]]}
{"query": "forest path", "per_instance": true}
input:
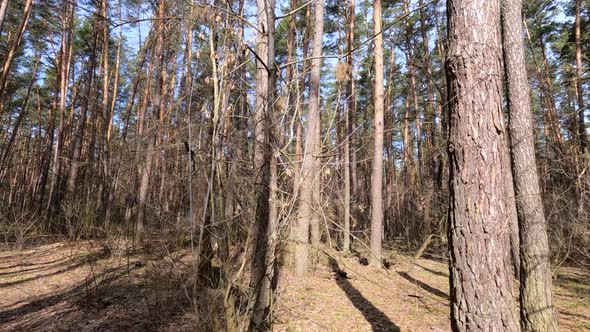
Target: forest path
{"points": [[87, 287]]}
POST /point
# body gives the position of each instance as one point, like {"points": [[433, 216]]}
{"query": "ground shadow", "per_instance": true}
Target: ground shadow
{"points": [[574, 282], [435, 272], [26, 264], [88, 259], [378, 320], [114, 297], [424, 286], [113, 304]]}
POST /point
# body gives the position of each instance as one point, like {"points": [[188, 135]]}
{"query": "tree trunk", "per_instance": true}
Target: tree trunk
{"points": [[348, 131], [6, 153], [76, 148], [310, 166], [481, 291], [64, 70], [536, 306], [14, 47], [3, 6], [300, 101], [28, 6], [583, 137], [266, 233], [155, 113], [377, 173]]}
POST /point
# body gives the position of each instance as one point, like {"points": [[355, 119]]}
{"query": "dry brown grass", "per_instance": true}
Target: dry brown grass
{"points": [[97, 286]]}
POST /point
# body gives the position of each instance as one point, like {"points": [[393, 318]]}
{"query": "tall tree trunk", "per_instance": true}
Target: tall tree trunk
{"points": [[536, 305], [310, 168], [511, 211], [155, 113], [481, 291], [417, 171], [105, 116], [429, 127], [28, 6], [583, 137], [300, 102], [64, 70], [3, 6], [76, 148], [266, 234], [4, 157], [109, 134], [348, 132], [377, 173], [547, 95]]}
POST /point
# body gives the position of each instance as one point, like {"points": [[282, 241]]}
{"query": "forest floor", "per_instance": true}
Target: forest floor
{"points": [[90, 287]]}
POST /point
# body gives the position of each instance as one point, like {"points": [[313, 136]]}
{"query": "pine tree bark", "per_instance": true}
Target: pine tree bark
{"points": [[481, 291], [348, 131], [310, 167], [299, 106], [583, 136], [155, 113], [28, 6], [64, 70], [76, 146], [266, 223], [377, 172], [3, 6], [536, 305]]}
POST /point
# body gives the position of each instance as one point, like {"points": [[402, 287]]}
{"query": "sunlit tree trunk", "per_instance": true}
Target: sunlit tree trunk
{"points": [[310, 167], [348, 132], [536, 305], [299, 106], [4, 157], [64, 70], [377, 172], [481, 290], [583, 137], [155, 113], [264, 263], [3, 6], [16, 42]]}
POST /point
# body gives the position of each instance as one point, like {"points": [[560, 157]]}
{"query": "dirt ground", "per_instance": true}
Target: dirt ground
{"points": [[88, 287], [403, 297]]}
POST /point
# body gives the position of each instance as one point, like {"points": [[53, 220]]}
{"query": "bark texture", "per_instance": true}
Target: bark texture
{"points": [[579, 90], [266, 224], [536, 306], [310, 167], [350, 107], [377, 173], [481, 292]]}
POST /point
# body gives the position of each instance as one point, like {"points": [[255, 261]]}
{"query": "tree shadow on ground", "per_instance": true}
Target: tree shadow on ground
{"points": [[578, 284], [378, 320], [87, 259], [435, 272], [424, 286], [123, 297]]}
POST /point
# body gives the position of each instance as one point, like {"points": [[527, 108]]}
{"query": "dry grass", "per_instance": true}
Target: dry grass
{"points": [[94, 286], [406, 297]]}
